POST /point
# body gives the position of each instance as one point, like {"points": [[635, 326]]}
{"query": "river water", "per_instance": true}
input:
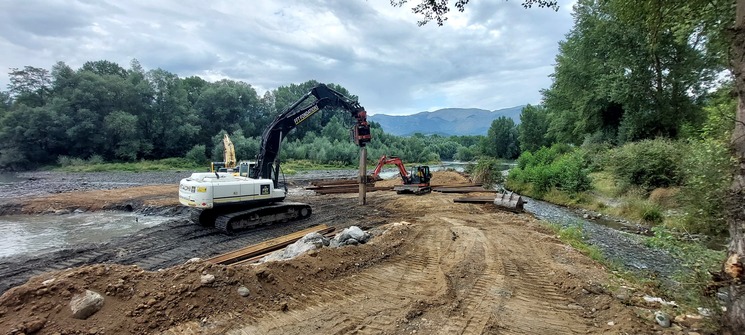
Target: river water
{"points": [[618, 246], [36, 234]]}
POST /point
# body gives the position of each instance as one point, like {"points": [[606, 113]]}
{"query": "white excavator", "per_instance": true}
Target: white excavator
{"points": [[236, 202]]}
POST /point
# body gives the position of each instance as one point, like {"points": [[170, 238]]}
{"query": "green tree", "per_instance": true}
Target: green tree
{"points": [[172, 123], [123, 135], [721, 24], [613, 78], [501, 139], [5, 103], [30, 85], [104, 68], [533, 128], [227, 105]]}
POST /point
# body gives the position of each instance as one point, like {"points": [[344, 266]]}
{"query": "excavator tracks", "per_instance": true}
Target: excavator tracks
{"points": [[278, 212]]}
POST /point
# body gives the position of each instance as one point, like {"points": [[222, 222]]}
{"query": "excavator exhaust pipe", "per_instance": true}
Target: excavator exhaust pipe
{"points": [[510, 201]]}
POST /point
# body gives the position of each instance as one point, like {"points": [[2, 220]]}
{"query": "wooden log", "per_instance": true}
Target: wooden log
{"points": [[267, 246], [333, 182], [457, 185]]}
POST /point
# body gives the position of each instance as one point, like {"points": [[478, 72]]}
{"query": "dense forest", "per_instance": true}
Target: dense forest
{"points": [[103, 112]]}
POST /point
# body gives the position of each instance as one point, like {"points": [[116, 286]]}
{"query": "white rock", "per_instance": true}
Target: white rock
{"points": [[243, 291], [86, 304], [311, 241], [207, 279], [662, 319], [193, 260], [351, 235]]}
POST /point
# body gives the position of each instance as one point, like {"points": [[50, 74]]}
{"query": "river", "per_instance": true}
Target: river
{"points": [[33, 234]]}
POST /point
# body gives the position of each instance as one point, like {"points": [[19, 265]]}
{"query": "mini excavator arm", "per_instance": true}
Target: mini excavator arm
{"points": [[384, 160]]}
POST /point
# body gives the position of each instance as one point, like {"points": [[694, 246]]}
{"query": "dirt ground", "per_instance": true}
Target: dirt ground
{"points": [[434, 267]]}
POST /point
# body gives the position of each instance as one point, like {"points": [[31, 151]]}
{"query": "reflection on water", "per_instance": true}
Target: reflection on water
{"points": [[32, 234]]}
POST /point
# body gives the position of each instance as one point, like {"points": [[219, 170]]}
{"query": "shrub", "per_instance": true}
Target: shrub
{"points": [[488, 171], [70, 161], [558, 167], [707, 169], [648, 164], [95, 159], [197, 154]]}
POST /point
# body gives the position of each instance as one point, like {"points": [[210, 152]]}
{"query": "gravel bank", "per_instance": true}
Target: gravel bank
{"points": [[50, 182]]}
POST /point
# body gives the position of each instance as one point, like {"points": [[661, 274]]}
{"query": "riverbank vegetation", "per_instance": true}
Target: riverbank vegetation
{"points": [[637, 124]]}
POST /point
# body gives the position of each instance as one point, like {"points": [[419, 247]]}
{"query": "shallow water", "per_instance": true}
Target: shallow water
{"points": [[35, 234], [621, 247]]}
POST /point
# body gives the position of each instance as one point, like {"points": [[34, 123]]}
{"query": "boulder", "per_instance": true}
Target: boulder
{"points": [[86, 304], [350, 236], [307, 243]]}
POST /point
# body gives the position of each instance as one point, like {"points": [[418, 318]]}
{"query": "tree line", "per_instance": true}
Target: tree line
{"points": [[104, 112]]}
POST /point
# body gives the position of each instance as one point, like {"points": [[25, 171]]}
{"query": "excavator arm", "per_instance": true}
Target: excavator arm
{"points": [[271, 139], [385, 160], [229, 152]]}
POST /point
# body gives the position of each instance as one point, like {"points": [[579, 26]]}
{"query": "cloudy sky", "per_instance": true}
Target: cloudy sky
{"points": [[494, 55]]}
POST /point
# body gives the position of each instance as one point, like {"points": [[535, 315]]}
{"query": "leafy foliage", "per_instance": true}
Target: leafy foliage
{"points": [[437, 9], [557, 167], [132, 114], [487, 171], [501, 139], [533, 128], [648, 164], [617, 82]]}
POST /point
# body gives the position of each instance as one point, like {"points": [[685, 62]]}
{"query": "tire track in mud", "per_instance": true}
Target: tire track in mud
{"points": [[529, 291], [482, 299], [370, 302]]}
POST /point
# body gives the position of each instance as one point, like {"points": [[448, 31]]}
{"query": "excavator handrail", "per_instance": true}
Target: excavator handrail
{"points": [[272, 137]]}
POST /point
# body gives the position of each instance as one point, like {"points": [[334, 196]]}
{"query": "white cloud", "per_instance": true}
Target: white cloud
{"points": [[494, 55]]}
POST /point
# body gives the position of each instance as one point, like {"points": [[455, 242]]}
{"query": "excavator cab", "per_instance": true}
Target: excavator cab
{"points": [[244, 167], [420, 175]]}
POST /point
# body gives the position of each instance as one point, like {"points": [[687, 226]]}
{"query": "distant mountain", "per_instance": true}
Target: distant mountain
{"points": [[448, 121]]}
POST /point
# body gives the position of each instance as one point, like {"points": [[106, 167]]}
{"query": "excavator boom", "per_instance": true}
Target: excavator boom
{"points": [[229, 154], [236, 202], [272, 137]]}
